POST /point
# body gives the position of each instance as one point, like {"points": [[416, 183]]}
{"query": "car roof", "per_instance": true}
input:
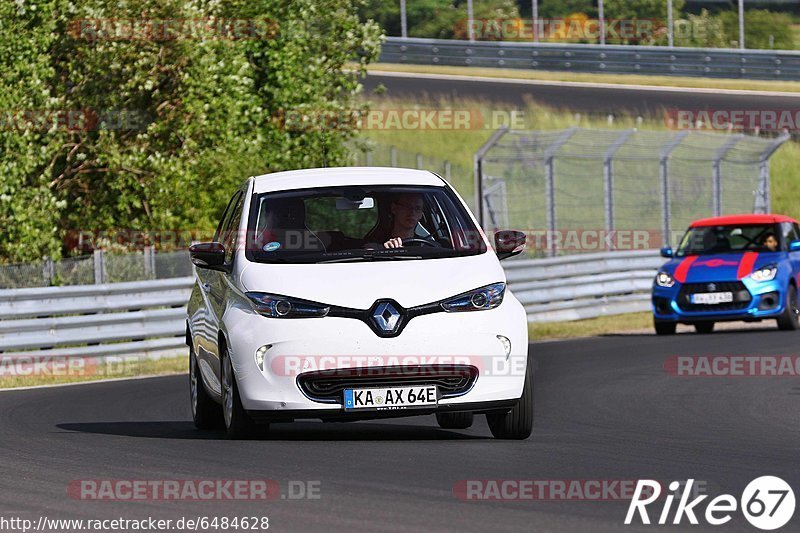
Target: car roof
{"points": [[730, 220], [342, 176]]}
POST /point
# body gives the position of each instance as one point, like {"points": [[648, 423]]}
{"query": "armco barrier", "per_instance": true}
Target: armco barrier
{"points": [[95, 320], [615, 59], [147, 317]]}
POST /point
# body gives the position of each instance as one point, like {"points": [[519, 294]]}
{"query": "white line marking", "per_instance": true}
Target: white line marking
{"points": [[581, 84]]}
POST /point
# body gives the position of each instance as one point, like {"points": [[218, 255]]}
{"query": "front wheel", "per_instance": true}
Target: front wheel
{"points": [[664, 328], [518, 422], [704, 327], [790, 318], [237, 422], [455, 420], [206, 413]]}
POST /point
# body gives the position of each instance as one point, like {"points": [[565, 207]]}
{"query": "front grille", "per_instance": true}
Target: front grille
{"points": [[328, 385], [741, 296]]}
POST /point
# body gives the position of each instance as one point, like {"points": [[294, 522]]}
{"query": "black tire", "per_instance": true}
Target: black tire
{"points": [[704, 327], [238, 423], [665, 328], [206, 413], [461, 420], [790, 318], [518, 422]]}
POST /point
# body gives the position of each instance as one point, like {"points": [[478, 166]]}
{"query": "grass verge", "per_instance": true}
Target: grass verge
{"points": [[618, 79], [63, 370], [590, 327]]}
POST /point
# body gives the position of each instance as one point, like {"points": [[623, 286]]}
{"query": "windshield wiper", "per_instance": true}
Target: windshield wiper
{"points": [[370, 257]]}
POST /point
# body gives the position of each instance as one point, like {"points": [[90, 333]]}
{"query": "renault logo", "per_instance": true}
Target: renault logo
{"points": [[386, 317]]}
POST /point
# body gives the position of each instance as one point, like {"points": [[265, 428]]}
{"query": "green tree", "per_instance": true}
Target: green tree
{"points": [[762, 29]]}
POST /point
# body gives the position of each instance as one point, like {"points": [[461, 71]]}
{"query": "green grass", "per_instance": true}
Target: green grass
{"points": [[590, 327], [623, 79], [128, 367]]}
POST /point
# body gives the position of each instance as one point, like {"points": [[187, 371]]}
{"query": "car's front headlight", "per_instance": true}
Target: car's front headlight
{"points": [[481, 299], [277, 306], [663, 279], [765, 273]]}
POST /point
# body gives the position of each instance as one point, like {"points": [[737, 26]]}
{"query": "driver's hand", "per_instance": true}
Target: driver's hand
{"points": [[396, 242]]}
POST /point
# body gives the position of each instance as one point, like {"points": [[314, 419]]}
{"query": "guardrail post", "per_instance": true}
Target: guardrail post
{"points": [[664, 171], [716, 177], [99, 267]]}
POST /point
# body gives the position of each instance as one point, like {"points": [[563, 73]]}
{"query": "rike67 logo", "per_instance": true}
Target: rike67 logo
{"points": [[767, 503]]}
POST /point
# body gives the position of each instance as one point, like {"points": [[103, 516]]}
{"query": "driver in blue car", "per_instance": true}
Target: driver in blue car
{"points": [[770, 242]]}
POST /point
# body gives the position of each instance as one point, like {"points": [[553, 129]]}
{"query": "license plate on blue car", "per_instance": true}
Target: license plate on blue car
{"points": [[390, 398], [712, 298]]}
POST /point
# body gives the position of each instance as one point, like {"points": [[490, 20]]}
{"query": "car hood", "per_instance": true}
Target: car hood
{"points": [[358, 285], [719, 267]]}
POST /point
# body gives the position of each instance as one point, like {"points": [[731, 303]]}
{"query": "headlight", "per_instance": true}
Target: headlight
{"points": [[765, 273], [277, 306], [664, 280], [487, 297]]}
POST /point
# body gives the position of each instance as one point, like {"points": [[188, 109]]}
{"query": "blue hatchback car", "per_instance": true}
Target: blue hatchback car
{"points": [[737, 267]]}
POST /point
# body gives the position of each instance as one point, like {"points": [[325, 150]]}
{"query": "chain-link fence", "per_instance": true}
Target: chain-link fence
{"points": [[593, 190], [100, 267]]}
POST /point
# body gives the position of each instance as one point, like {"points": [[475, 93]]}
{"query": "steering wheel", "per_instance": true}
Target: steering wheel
{"points": [[420, 242]]}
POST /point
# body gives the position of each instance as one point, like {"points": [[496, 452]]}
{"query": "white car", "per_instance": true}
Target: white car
{"points": [[355, 293]]}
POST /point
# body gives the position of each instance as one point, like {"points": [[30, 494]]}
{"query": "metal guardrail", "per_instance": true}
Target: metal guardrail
{"points": [[95, 320], [584, 285], [615, 59], [148, 317]]}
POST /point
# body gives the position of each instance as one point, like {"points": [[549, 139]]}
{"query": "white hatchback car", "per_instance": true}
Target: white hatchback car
{"points": [[355, 293]]}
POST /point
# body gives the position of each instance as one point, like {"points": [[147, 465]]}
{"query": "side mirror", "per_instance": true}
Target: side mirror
{"points": [[509, 243], [794, 246], [666, 251], [210, 255]]}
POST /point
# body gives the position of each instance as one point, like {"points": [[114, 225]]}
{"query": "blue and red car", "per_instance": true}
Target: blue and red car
{"points": [[736, 267]]}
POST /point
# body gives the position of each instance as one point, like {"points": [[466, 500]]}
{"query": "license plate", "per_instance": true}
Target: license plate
{"points": [[390, 398], [712, 298]]}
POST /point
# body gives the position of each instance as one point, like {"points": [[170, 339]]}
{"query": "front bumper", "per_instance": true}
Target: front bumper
{"points": [[298, 346], [766, 300]]}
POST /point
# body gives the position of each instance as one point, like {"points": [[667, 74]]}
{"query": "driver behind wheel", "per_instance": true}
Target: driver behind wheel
{"points": [[405, 212]]}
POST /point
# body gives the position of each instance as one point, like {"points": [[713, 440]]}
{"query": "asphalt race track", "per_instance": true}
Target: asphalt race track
{"points": [[606, 409], [585, 99]]}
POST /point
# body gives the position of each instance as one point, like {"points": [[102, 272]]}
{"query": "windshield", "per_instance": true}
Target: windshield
{"points": [[730, 239], [364, 223]]}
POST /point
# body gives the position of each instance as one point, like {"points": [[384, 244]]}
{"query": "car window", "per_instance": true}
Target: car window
{"points": [[726, 239], [352, 223], [231, 232], [223, 221]]}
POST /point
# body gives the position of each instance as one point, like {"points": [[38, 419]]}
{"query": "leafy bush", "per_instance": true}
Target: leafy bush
{"points": [[759, 25], [200, 114]]}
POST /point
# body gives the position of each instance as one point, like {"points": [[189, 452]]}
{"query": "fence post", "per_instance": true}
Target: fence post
{"points": [[149, 257], [478, 169], [447, 170], [716, 175], [608, 180], [419, 161], [550, 186], [664, 170], [393, 152], [48, 271], [763, 174], [368, 158], [99, 266]]}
